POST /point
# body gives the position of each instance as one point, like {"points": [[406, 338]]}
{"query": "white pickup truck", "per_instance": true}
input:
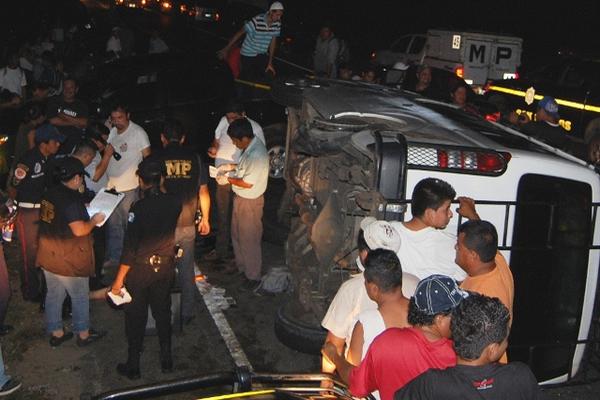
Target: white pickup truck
{"points": [[475, 57]]}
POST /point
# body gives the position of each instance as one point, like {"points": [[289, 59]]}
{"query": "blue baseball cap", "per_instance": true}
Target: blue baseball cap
{"points": [[550, 107], [48, 132], [438, 293]]}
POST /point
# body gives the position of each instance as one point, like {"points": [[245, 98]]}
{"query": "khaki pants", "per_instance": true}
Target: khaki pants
{"points": [[246, 235]]}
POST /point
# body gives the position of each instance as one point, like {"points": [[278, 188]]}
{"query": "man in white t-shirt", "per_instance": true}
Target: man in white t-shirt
{"points": [[225, 152], [130, 143], [12, 77], [351, 298], [427, 249]]}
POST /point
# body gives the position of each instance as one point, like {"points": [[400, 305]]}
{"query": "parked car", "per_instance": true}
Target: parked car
{"points": [[573, 82], [356, 150]]}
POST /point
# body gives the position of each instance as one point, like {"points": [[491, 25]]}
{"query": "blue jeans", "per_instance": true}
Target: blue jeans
{"points": [[3, 377], [185, 237], [79, 290], [116, 226]]}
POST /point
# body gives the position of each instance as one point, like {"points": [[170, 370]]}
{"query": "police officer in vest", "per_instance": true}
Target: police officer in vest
{"points": [[187, 179], [148, 266], [30, 180], [66, 253]]}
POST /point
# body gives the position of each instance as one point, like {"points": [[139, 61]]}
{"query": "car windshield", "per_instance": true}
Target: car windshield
{"points": [[482, 126]]}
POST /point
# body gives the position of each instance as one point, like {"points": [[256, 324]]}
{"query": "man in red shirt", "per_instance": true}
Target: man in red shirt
{"points": [[399, 355]]}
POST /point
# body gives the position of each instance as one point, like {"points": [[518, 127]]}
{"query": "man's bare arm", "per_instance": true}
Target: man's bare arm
{"points": [[204, 201], [339, 344], [240, 182]]}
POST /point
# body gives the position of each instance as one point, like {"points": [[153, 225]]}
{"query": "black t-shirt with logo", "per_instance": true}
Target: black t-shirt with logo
{"points": [[151, 229], [495, 381], [30, 176], [76, 108], [184, 176], [60, 251], [61, 206]]}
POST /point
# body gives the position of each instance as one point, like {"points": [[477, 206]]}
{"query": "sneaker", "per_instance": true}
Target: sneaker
{"points": [[10, 386], [94, 336], [56, 341]]}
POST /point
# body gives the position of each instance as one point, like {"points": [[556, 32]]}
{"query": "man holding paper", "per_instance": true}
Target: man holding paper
{"points": [[224, 152], [248, 181], [66, 254]]}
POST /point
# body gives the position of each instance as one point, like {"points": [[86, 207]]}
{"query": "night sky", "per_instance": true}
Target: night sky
{"points": [[545, 26]]}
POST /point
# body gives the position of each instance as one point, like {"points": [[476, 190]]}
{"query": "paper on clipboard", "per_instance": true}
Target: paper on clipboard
{"points": [[104, 202]]}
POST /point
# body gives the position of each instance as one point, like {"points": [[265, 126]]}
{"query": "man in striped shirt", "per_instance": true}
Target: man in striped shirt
{"points": [[258, 47]]}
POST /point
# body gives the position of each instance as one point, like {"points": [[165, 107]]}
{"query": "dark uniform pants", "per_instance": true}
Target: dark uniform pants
{"points": [[224, 202], [148, 288], [27, 223]]}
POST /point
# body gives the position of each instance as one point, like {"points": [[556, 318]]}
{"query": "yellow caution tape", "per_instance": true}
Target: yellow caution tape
{"points": [[562, 102], [238, 395], [254, 84]]}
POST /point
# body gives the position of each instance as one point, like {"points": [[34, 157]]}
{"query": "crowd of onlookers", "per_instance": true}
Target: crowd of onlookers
{"points": [[430, 313]]}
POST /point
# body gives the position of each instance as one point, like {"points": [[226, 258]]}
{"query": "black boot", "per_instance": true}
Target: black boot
{"points": [[130, 369]]}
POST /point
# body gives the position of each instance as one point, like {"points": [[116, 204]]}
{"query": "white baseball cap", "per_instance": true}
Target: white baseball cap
{"points": [[380, 234], [276, 6]]}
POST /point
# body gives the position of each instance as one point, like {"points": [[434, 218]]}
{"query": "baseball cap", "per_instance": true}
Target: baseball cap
{"points": [[549, 105], [276, 6], [380, 234], [68, 167], [47, 132], [438, 293], [150, 167]]}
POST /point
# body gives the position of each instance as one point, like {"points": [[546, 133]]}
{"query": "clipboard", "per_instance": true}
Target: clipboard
{"points": [[105, 202]]}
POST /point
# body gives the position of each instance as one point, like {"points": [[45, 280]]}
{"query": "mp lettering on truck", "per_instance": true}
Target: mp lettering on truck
{"points": [[477, 53]]}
